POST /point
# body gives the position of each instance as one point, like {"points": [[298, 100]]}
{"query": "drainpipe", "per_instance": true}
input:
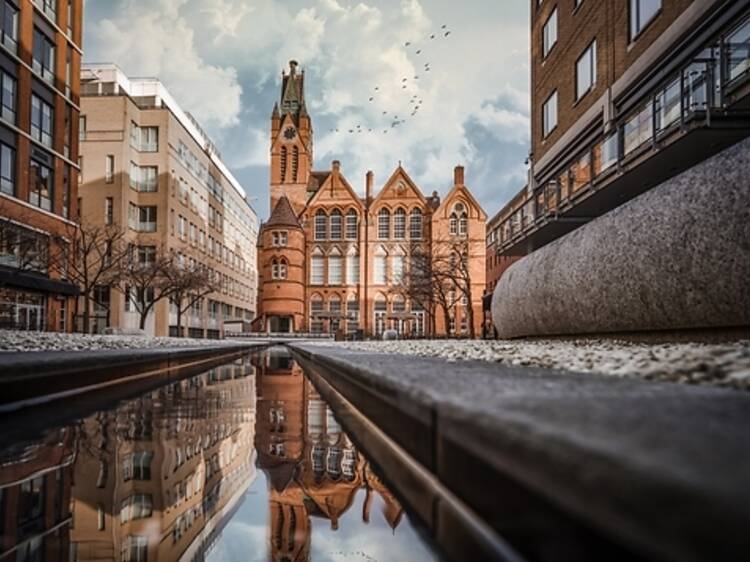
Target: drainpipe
{"points": [[368, 194]]}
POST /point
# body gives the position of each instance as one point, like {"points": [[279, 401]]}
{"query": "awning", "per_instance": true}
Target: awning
{"points": [[36, 282]]}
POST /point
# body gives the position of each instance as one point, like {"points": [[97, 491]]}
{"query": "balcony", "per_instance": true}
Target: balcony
{"points": [[693, 114]]}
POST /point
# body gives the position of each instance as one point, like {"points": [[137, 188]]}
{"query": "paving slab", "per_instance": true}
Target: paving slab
{"points": [[661, 469]]}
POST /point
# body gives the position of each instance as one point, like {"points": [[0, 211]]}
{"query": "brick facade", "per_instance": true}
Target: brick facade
{"points": [[325, 280]]}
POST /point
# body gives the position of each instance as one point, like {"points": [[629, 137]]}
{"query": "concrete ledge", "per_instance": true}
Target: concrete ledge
{"points": [[34, 377], [587, 467], [676, 257]]}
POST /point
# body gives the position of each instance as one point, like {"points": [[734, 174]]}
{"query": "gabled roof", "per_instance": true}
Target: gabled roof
{"points": [[399, 171], [466, 192], [317, 179], [283, 215], [327, 181]]}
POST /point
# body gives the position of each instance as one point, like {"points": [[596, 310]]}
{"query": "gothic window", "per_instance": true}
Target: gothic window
{"points": [[351, 224], [352, 314], [335, 270], [381, 311], [295, 163], [380, 267], [317, 268], [321, 222], [384, 224], [279, 268], [283, 163], [459, 221], [352, 267], [336, 224], [397, 268], [334, 307], [415, 225], [316, 309], [399, 224]]}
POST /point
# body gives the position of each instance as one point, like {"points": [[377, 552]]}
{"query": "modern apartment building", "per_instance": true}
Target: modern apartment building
{"points": [[149, 168], [40, 57], [625, 95]]}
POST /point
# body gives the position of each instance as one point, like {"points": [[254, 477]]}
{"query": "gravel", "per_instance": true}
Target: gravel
{"points": [[13, 340], [725, 364]]}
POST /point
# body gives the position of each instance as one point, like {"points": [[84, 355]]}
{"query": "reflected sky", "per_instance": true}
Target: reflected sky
{"points": [[244, 462]]}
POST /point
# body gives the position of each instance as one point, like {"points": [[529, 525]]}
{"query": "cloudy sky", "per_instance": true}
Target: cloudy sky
{"points": [[222, 60]]}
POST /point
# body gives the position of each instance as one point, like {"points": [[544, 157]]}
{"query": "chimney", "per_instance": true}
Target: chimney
{"points": [[336, 166], [458, 175], [368, 186]]}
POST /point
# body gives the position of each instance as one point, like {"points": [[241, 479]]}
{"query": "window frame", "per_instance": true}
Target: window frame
{"points": [[589, 53], [547, 48], [636, 25], [546, 131]]}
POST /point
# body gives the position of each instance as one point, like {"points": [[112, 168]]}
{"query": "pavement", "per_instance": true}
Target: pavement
{"points": [[663, 470]]}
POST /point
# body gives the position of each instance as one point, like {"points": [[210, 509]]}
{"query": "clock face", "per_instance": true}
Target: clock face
{"points": [[289, 133]]}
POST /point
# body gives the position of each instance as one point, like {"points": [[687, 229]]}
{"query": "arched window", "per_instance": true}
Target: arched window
{"points": [[454, 224], [397, 267], [321, 222], [334, 307], [283, 268], [283, 163], [316, 311], [352, 223], [317, 267], [352, 314], [295, 163], [336, 225], [352, 267], [459, 222], [399, 224], [379, 270], [415, 224], [381, 311], [384, 224], [335, 271]]}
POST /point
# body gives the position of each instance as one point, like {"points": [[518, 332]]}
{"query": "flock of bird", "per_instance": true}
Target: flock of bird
{"points": [[392, 118]]}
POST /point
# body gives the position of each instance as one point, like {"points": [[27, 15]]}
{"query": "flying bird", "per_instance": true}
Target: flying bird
{"points": [[416, 78], [351, 131], [443, 26], [403, 87], [377, 88], [407, 43], [447, 33], [432, 36], [372, 99], [403, 79], [419, 52], [385, 113]]}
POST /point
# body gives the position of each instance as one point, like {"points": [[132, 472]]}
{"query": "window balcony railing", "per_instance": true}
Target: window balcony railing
{"points": [[693, 96]]}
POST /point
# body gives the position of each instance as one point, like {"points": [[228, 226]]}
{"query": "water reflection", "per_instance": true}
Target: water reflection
{"points": [[172, 476]]}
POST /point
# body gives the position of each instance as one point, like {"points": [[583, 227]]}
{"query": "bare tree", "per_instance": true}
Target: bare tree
{"points": [[146, 278], [91, 257], [190, 282], [451, 259]]}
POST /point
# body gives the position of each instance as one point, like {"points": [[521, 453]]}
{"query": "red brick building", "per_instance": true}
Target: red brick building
{"points": [[331, 261], [40, 58]]}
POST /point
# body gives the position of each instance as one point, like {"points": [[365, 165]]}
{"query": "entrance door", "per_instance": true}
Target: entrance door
{"points": [[30, 317], [285, 325]]}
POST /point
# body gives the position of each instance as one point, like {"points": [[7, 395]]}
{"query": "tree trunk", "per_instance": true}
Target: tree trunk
{"points": [[87, 314], [179, 321], [470, 319]]}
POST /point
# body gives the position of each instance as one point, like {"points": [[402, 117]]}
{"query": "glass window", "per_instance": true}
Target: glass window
{"points": [[9, 24], [415, 224], [109, 211], [9, 97], [379, 271], [144, 139], [134, 549], [586, 71], [317, 268], [66, 191], [641, 13], [352, 224], [352, 269], [384, 224], [605, 154], [137, 506], [316, 307], [668, 106], [7, 170], [580, 172], [42, 121], [321, 222], [399, 224], [549, 34], [143, 178], [335, 272], [147, 219], [738, 52], [398, 269], [336, 224], [109, 168], [43, 59], [549, 114], [638, 129], [41, 185], [48, 7]]}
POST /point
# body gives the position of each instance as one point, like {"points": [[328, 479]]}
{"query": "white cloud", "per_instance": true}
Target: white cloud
{"points": [[154, 40], [215, 54]]}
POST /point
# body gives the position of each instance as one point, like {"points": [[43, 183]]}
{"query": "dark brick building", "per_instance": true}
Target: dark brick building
{"points": [[625, 94]]}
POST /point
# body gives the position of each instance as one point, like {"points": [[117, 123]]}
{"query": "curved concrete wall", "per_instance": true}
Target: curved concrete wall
{"points": [[676, 257]]}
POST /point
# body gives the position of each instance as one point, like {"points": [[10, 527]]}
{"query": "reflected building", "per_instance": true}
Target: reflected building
{"points": [[313, 468], [35, 515], [170, 469]]}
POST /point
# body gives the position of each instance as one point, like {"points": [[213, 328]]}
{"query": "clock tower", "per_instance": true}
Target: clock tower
{"points": [[291, 142]]}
